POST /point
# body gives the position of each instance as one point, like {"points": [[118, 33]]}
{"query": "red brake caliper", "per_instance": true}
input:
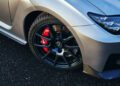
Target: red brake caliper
{"points": [[43, 41]]}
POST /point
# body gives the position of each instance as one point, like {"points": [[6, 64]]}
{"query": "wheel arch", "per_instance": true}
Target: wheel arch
{"points": [[56, 15], [32, 15]]}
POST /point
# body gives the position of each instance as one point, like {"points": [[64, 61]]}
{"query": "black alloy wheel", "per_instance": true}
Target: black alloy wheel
{"points": [[52, 43]]}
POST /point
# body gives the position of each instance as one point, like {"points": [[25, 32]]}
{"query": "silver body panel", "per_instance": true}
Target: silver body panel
{"points": [[92, 39], [5, 12], [109, 7]]}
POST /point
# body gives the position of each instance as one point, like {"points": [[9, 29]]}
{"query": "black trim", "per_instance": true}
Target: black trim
{"points": [[111, 63], [90, 13]]}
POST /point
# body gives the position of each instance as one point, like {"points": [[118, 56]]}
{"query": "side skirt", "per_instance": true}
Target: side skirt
{"points": [[8, 27], [4, 29]]}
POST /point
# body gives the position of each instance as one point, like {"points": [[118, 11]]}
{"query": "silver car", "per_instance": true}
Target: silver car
{"points": [[67, 34]]}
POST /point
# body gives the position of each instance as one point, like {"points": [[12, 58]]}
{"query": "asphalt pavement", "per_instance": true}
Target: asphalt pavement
{"points": [[18, 67]]}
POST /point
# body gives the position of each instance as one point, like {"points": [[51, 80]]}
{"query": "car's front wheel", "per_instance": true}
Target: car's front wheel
{"points": [[52, 43]]}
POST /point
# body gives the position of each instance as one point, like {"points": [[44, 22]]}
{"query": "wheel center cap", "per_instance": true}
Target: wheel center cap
{"points": [[61, 53]]}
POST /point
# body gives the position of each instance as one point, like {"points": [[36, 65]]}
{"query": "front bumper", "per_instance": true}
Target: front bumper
{"points": [[97, 46]]}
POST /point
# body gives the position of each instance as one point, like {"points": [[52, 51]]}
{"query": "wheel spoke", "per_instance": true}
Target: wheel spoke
{"points": [[68, 39], [66, 61], [72, 52], [42, 46], [42, 37], [44, 57], [57, 29], [73, 55], [55, 61], [71, 47]]}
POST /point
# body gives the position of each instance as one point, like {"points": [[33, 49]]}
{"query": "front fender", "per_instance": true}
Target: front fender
{"points": [[71, 12]]}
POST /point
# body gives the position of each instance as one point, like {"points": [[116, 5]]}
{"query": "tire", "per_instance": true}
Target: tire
{"points": [[57, 49]]}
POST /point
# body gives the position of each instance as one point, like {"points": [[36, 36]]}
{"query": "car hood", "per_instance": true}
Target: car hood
{"points": [[109, 7]]}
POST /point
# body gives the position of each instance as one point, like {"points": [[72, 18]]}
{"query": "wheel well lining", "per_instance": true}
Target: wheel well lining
{"points": [[29, 19]]}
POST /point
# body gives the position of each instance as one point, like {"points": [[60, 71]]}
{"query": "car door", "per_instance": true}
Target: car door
{"points": [[4, 13], [13, 4]]}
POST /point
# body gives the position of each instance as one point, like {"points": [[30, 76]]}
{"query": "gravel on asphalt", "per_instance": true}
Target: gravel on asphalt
{"points": [[18, 67]]}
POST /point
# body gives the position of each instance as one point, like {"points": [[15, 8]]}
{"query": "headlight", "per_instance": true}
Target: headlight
{"points": [[110, 23]]}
